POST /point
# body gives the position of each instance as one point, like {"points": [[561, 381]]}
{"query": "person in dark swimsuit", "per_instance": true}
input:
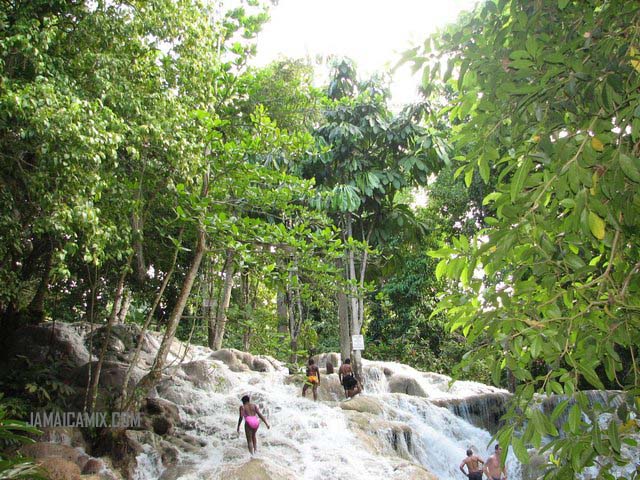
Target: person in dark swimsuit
{"points": [[348, 380], [313, 379], [250, 413], [473, 466]]}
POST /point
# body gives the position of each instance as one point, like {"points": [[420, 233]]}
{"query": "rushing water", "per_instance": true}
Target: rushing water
{"points": [[318, 440]]}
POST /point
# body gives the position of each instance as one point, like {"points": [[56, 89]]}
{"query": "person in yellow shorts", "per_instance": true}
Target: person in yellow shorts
{"points": [[313, 379]]}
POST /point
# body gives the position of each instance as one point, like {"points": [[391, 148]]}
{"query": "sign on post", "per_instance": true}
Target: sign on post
{"points": [[357, 342]]}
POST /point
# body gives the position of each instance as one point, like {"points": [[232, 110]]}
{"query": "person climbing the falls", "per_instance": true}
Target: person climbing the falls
{"points": [[473, 466], [313, 379], [348, 380], [250, 413], [493, 468]]}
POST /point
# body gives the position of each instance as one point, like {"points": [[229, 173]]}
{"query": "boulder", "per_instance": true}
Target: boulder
{"points": [[331, 357], [121, 344], [160, 415], [230, 359], [407, 385], [394, 438], [40, 450], [403, 470], [255, 469], [111, 377], [122, 446], [238, 361], [63, 435], [45, 343], [199, 372], [177, 472], [363, 404], [160, 406], [60, 469], [93, 466]]}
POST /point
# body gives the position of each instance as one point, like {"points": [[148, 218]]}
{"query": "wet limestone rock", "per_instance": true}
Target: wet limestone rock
{"points": [[331, 357], [407, 385], [93, 466], [404, 470], [45, 341], [60, 469], [69, 436], [483, 411], [392, 438], [255, 469], [41, 450], [363, 404], [238, 361], [111, 377], [329, 390]]}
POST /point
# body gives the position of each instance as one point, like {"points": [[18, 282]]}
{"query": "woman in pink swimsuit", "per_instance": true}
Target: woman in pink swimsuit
{"points": [[250, 412]]}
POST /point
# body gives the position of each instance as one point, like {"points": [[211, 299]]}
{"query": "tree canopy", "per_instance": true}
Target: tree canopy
{"points": [[545, 101]]}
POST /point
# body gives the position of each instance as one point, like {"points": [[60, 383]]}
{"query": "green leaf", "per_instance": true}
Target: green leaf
{"points": [[614, 437], [562, 4], [520, 450], [468, 177], [629, 168], [575, 418], [483, 166], [596, 225], [519, 178]]}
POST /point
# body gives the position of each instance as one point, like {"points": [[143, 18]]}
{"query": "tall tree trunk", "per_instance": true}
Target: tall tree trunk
{"points": [[94, 374], [282, 312], [245, 287], [223, 304], [126, 396], [356, 326], [124, 306], [154, 375], [137, 225], [36, 307], [345, 330], [214, 293]]}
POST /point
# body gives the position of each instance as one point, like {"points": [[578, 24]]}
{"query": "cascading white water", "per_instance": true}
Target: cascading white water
{"points": [[316, 440]]}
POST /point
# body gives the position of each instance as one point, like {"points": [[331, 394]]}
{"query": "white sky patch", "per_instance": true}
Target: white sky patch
{"points": [[371, 32]]}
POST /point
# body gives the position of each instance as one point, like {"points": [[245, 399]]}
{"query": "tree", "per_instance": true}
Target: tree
{"points": [[546, 96], [369, 155]]}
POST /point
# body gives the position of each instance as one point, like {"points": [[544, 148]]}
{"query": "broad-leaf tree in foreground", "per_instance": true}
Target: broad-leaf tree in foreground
{"points": [[546, 102]]}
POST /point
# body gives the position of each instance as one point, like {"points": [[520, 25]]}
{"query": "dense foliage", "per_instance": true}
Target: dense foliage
{"points": [[545, 102]]}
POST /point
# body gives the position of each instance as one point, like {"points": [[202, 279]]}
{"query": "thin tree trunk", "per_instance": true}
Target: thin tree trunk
{"points": [[127, 399], [345, 330], [215, 289], [223, 304], [95, 374], [151, 378], [124, 307], [281, 311], [137, 225], [36, 307], [356, 326]]}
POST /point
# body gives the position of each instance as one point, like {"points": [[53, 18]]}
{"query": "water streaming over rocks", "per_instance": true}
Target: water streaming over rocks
{"points": [[407, 425], [381, 434]]}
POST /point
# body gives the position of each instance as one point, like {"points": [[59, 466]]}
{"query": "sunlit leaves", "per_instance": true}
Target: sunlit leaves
{"points": [[559, 105]]}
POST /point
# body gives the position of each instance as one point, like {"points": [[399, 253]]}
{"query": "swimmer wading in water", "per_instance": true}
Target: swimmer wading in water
{"points": [[313, 379], [252, 416]]}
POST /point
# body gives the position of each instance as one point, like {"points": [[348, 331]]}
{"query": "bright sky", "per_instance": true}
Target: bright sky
{"points": [[371, 32]]}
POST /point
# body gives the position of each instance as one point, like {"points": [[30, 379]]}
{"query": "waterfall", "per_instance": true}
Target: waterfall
{"points": [[385, 436], [406, 425]]}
